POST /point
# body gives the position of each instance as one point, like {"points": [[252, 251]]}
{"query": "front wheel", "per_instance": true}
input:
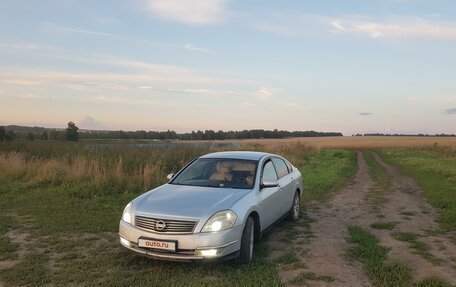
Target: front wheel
{"points": [[246, 252], [295, 207]]}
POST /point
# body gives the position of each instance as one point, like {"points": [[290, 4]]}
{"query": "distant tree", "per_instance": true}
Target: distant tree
{"points": [[30, 137], [71, 132], [10, 136], [2, 134], [55, 135], [44, 136]]}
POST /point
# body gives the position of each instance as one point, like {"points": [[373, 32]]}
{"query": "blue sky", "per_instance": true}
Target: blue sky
{"points": [[349, 66]]}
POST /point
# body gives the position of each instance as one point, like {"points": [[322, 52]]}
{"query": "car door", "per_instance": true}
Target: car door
{"points": [[286, 188], [269, 206]]}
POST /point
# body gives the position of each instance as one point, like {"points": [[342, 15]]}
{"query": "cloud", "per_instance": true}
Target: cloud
{"points": [[52, 26], [19, 82], [395, 27], [451, 111], [88, 122], [338, 26], [292, 24], [26, 46], [60, 28], [196, 12], [189, 46], [265, 93], [365, 114]]}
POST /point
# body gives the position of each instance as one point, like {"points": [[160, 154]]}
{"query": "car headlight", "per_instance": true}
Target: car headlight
{"points": [[126, 215], [220, 221]]}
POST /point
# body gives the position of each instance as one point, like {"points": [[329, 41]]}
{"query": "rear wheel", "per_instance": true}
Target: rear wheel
{"points": [[246, 252], [295, 207]]}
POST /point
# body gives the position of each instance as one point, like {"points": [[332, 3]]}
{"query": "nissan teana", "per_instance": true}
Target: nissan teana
{"points": [[214, 208]]}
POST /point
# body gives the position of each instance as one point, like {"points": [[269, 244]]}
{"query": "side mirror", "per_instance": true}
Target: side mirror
{"points": [[269, 183], [170, 176]]}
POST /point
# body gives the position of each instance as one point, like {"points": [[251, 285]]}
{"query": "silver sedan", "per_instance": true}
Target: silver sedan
{"points": [[215, 208]]}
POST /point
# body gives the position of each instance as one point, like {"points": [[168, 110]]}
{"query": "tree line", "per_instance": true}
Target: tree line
{"points": [[404, 135], [72, 133], [38, 133], [204, 135]]}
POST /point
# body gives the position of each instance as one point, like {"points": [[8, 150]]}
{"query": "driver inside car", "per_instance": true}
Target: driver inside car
{"points": [[224, 172]]}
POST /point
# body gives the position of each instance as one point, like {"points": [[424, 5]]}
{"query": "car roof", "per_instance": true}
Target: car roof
{"points": [[247, 155]]}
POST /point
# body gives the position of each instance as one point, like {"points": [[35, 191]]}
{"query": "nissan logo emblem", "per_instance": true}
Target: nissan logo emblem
{"points": [[160, 225]]}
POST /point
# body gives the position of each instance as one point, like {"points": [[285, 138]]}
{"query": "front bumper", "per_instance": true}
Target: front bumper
{"points": [[227, 243]]}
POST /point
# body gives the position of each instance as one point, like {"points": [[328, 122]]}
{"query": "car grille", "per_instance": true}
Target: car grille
{"points": [[171, 226]]}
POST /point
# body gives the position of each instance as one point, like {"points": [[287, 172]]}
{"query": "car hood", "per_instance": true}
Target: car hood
{"points": [[172, 200]]}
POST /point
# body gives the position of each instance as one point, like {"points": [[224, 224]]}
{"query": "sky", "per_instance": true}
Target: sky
{"points": [[350, 66]]}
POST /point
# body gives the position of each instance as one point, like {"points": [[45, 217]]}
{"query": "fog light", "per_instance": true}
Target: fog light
{"points": [[124, 241], [206, 252]]}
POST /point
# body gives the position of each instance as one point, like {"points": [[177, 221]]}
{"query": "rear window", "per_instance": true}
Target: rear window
{"points": [[290, 167]]}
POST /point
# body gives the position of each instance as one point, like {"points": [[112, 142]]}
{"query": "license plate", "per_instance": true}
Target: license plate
{"points": [[157, 244]]}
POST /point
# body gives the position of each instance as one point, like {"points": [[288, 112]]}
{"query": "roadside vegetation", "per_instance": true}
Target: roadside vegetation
{"points": [[65, 200], [383, 225], [420, 247], [434, 169], [382, 271], [382, 182], [326, 172], [379, 270]]}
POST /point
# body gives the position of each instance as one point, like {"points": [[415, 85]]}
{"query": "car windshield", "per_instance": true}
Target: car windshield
{"points": [[218, 172]]}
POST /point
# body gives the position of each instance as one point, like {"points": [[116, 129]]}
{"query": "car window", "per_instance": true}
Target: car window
{"points": [[290, 168], [218, 172], [280, 166], [269, 172]]}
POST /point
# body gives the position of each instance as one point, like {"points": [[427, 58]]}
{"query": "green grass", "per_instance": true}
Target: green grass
{"points": [[405, 236], [379, 269], [8, 249], [310, 276], [327, 171], [74, 220], [432, 282], [289, 257], [383, 225], [382, 182], [31, 270], [420, 247], [434, 169]]}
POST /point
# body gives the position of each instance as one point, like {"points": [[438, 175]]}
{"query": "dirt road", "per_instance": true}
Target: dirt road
{"points": [[324, 259]]}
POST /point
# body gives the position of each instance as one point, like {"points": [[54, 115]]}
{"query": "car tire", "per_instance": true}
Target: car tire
{"points": [[247, 239], [295, 207]]}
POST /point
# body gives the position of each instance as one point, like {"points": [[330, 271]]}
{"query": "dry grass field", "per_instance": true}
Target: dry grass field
{"points": [[349, 142]]}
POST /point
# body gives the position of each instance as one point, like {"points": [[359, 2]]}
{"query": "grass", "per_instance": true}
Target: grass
{"points": [[289, 257], [408, 213], [382, 182], [380, 271], [325, 172], [433, 282], [383, 225], [8, 249], [310, 276], [74, 196], [420, 247], [30, 270], [434, 169], [405, 236]]}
